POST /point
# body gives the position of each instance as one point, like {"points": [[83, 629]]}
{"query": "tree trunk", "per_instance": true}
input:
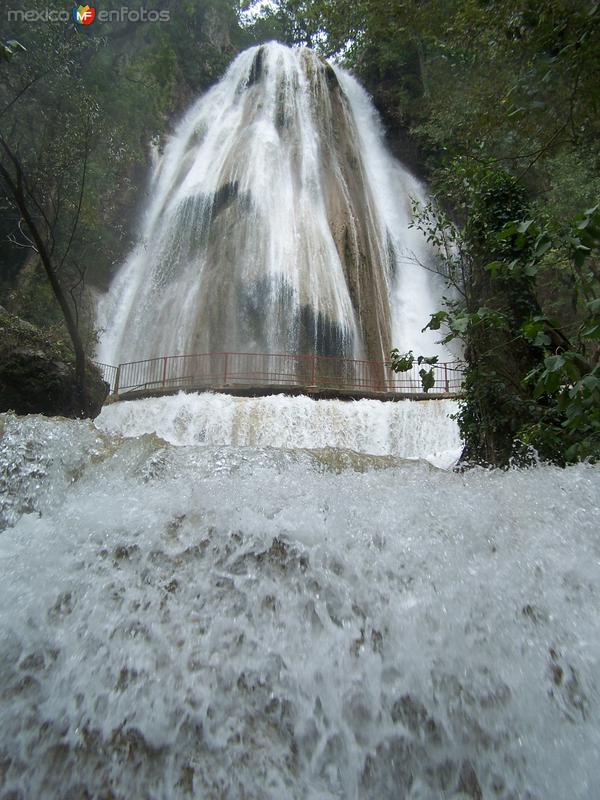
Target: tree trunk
{"points": [[16, 188]]}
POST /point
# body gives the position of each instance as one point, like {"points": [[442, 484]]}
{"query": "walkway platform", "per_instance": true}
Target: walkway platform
{"points": [[263, 374]]}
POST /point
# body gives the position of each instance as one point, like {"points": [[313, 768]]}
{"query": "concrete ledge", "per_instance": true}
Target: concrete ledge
{"points": [[317, 393]]}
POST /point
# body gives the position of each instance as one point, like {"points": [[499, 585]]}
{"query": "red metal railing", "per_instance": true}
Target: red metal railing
{"points": [[255, 370], [109, 373]]}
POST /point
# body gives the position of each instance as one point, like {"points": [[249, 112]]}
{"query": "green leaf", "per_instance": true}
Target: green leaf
{"points": [[594, 305], [494, 267], [580, 255], [435, 323], [541, 339], [590, 382], [531, 269], [534, 330], [401, 362], [460, 324], [554, 363], [572, 452], [508, 231], [593, 332], [520, 241], [542, 245], [549, 383]]}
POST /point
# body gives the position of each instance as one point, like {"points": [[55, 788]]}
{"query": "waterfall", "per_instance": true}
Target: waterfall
{"points": [[277, 222], [404, 429]]}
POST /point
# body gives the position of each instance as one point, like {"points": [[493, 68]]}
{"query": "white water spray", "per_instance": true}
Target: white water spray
{"points": [[243, 622]]}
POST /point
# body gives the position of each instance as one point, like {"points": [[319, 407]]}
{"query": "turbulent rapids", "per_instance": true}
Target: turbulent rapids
{"points": [[266, 623], [277, 223]]}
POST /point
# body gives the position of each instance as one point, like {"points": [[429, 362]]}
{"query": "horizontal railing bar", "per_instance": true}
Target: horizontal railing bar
{"points": [[338, 359]]}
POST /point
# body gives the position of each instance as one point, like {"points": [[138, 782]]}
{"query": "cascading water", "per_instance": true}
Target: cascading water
{"points": [[277, 223], [270, 624], [403, 430]]}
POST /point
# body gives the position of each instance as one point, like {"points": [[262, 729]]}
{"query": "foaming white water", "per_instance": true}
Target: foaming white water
{"points": [[278, 222], [403, 429], [208, 622]]}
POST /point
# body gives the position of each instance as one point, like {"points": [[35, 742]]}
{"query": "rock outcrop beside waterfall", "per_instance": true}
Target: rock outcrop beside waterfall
{"points": [[37, 374]]}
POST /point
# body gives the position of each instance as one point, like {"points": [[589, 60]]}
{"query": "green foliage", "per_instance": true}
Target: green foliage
{"points": [[125, 83], [529, 382], [585, 236], [404, 362], [15, 333], [566, 385], [554, 407], [401, 362]]}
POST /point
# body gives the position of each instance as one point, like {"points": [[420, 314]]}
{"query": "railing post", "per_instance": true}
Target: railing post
{"points": [[446, 378], [117, 381], [165, 362], [225, 369]]}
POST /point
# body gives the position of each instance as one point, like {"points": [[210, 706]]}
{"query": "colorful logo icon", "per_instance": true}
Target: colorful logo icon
{"points": [[84, 15]]}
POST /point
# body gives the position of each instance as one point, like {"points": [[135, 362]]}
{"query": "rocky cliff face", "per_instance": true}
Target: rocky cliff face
{"points": [[37, 373]]}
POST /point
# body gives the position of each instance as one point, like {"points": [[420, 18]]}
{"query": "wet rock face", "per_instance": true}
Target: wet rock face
{"points": [[37, 375]]}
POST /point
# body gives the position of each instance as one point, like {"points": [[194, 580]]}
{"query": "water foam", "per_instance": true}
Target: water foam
{"points": [[404, 429], [194, 621]]}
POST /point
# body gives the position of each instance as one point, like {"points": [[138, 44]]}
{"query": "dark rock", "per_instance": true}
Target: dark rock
{"points": [[468, 782], [331, 77], [415, 717], [257, 67], [37, 374], [389, 771]]}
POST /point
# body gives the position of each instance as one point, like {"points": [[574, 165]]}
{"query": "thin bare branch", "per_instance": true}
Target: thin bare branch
{"points": [[19, 95], [28, 243], [81, 195]]}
